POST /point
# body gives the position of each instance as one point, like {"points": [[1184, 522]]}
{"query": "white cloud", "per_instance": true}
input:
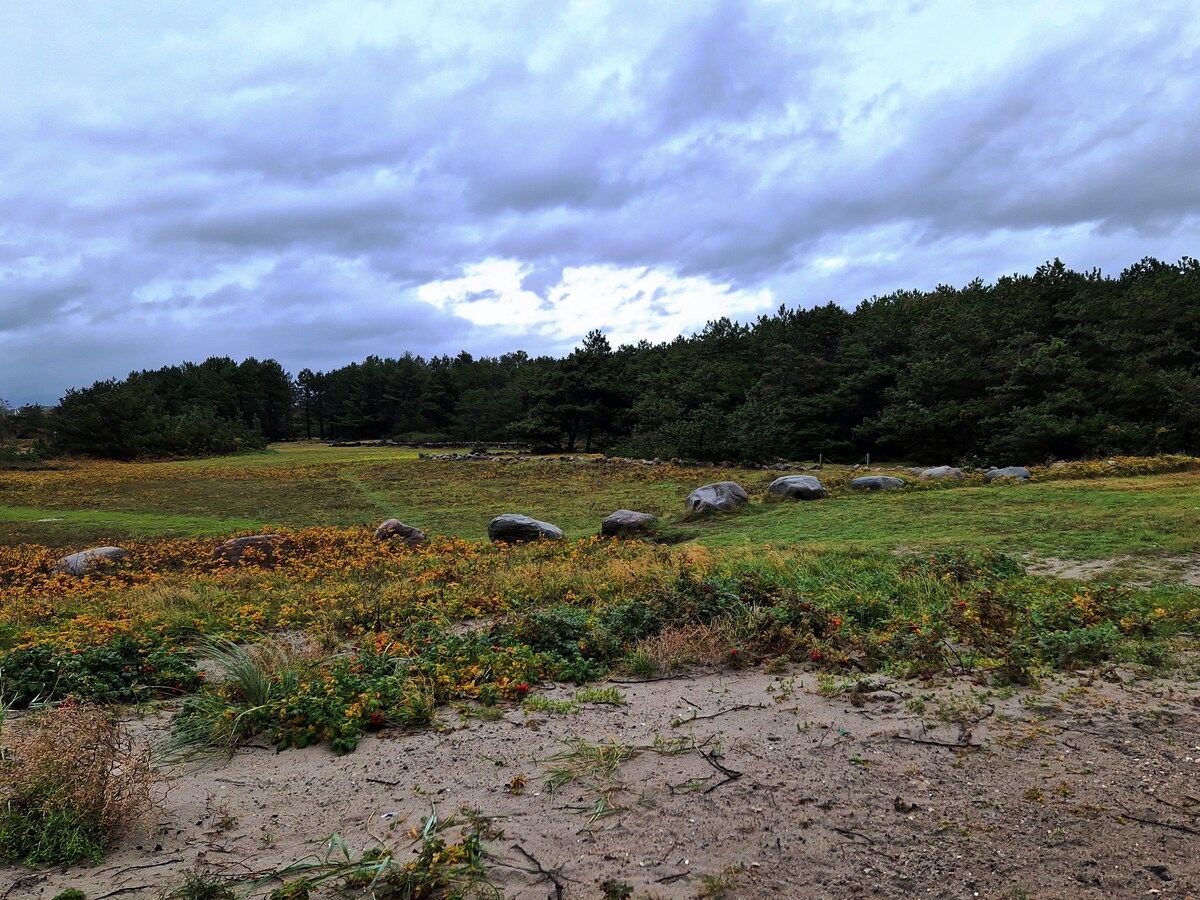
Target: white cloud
{"points": [[627, 304]]}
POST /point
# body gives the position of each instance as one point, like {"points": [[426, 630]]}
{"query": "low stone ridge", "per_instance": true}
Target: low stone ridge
{"points": [[627, 521], [1020, 473], [394, 528], [877, 483], [79, 563], [514, 528], [942, 473], [721, 496], [798, 487], [232, 550]]}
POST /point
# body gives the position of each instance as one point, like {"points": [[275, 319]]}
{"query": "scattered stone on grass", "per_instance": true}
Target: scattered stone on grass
{"points": [[721, 496], [798, 487], [628, 522], [877, 483], [1019, 473], [79, 563], [514, 528], [394, 528]]}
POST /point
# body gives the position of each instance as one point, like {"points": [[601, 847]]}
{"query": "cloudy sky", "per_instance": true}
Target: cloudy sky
{"points": [[316, 182]]}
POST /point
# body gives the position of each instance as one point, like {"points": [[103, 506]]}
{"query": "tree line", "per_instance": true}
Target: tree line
{"points": [[1055, 364]]}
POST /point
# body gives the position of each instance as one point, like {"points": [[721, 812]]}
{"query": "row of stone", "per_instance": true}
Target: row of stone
{"points": [[510, 528], [721, 496]]}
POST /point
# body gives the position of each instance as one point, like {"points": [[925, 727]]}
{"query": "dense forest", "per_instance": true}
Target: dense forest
{"points": [[1055, 364]]}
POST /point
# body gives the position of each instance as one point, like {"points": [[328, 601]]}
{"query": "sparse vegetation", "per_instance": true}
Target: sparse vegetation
{"points": [[448, 866]]}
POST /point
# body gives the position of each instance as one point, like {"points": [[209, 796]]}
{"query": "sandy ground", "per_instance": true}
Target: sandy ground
{"points": [[1089, 787], [1131, 569]]}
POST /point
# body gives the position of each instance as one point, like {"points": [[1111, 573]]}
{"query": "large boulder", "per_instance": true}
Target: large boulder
{"points": [[394, 528], [262, 548], [722, 496], [1020, 473], [798, 487], [942, 473], [79, 563], [627, 522], [514, 528], [877, 483]]}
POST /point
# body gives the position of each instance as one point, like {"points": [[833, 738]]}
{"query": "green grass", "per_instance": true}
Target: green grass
{"points": [[1076, 519], [60, 527], [301, 485]]}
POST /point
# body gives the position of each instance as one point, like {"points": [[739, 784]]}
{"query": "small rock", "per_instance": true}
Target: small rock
{"points": [[79, 563], [266, 544], [515, 528], [391, 528], [626, 521], [798, 487]]}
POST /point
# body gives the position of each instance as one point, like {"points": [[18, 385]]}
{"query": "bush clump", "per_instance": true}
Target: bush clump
{"points": [[70, 779]]}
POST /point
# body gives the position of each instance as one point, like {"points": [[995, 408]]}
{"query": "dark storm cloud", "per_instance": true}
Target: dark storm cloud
{"points": [[273, 179]]}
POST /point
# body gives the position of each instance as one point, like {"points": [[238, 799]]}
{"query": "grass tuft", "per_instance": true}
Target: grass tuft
{"points": [[70, 779]]}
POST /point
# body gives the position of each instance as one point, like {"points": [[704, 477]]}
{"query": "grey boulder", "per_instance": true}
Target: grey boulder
{"points": [[626, 521], [942, 473], [394, 528], [79, 563], [263, 545], [1020, 473], [721, 496], [514, 528], [877, 483], [798, 487]]}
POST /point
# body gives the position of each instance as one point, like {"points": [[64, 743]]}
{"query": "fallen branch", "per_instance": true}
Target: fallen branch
{"points": [[165, 862], [383, 782], [671, 879], [730, 774], [541, 870], [953, 745], [652, 680], [1175, 806], [23, 882], [126, 890], [1182, 828], [731, 709], [846, 832]]}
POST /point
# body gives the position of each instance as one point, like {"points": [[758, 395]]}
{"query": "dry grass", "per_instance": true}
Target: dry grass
{"points": [[70, 779], [680, 648]]}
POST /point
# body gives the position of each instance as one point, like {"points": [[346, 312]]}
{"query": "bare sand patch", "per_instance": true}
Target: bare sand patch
{"points": [[1086, 788]]}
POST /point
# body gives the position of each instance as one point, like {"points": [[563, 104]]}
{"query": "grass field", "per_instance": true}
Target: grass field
{"points": [[301, 485]]}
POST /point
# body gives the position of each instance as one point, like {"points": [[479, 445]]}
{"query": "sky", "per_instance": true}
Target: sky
{"points": [[317, 182]]}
